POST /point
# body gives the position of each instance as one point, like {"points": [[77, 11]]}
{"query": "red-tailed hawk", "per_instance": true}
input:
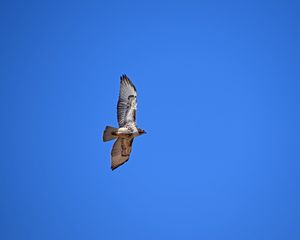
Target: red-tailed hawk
{"points": [[127, 131]]}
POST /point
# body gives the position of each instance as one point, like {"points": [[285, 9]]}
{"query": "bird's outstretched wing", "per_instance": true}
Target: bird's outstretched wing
{"points": [[127, 102], [120, 152]]}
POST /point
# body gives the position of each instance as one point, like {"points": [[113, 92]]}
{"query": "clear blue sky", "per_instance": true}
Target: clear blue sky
{"points": [[218, 91]]}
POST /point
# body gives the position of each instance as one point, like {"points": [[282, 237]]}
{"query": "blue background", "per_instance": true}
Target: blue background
{"points": [[218, 92]]}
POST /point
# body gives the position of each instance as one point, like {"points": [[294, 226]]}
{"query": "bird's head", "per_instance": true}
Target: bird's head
{"points": [[141, 131]]}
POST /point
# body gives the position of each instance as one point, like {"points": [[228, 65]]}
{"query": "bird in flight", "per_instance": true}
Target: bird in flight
{"points": [[127, 131]]}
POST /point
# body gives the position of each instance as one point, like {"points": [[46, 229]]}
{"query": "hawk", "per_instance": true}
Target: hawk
{"points": [[127, 131]]}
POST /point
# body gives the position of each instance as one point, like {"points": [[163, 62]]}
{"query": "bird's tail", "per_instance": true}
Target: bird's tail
{"points": [[108, 133]]}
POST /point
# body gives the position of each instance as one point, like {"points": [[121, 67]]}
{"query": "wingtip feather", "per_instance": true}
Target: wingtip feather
{"points": [[126, 79], [123, 77]]}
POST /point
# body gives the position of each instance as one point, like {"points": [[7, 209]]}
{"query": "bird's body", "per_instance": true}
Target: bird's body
{"points": [[127, 131]]}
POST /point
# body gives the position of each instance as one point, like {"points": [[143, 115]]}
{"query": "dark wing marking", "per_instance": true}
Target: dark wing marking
{"points": [[127, 102], [120, 152]]}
